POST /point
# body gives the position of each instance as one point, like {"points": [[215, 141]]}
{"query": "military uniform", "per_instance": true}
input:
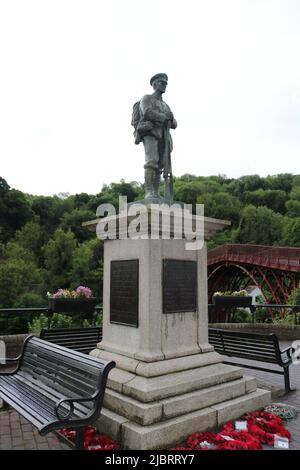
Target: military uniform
{"points": [[156, 119]]}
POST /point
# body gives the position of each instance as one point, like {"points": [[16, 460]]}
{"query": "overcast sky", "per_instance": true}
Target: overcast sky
{"points": [[72, 69]]}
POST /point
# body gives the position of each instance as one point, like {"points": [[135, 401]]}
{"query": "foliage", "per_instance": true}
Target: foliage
{"points": [[58, 320], [73, 221], [241, 315], [294, 298], [43, 245], [98, 321], [288, 319], [58, 254], [32, 238], [262, 314], [220, 238], [274, 199], [87, 266], [37, 324], [15, 211], [292, 208], [221, 205], [18, 276], [291, 232], [259, 225]]}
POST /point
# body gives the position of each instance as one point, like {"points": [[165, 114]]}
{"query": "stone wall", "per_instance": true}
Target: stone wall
{"points": [[283, 332]]}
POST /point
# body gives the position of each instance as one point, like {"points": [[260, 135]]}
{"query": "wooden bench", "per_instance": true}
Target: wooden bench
{"points": [[253, 346], [54, 387], [80, 339]]}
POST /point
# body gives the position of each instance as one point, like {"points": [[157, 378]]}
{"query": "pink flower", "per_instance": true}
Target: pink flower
{"points": [[83, 291]]}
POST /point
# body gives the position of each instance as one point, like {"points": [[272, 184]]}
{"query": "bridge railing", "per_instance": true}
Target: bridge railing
{"points": [[280, 255]]}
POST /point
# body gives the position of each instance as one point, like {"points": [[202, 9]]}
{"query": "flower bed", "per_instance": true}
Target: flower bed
{"points": [[80, 300], [92, 440], [232, 299], [261, 430], [262, 427]]}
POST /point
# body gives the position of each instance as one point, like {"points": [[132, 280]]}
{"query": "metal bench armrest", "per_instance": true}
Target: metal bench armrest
{"points": [[9, 359], [71, 402], [288, 351]]}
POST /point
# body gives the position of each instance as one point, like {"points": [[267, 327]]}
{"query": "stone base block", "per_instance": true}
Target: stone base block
{"points": [[157, 388], [150, 413], [156, 436], [238, 406], [172, 431], [156, 368]]}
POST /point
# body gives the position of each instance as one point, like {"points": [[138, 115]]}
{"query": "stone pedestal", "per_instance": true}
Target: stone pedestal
{"points": [[169, 382]]}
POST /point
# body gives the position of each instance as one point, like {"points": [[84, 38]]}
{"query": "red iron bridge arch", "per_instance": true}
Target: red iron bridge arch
{"points": [[274, 270]]}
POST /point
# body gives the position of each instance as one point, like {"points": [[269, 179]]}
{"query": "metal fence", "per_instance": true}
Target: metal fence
{"points": [[15, 320], [229, 313]]}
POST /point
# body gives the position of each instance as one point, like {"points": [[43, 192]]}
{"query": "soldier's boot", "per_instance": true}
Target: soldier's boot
{"points": [[149, 183]]}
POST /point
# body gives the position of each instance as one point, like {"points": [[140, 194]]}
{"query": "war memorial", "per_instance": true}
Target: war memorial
{"points": [[168, 381]]}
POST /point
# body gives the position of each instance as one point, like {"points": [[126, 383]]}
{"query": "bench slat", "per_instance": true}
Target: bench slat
{"points": [[41, 364], [48, 373], [251, 347], [79, 339], [244, 345], [52, 394]]}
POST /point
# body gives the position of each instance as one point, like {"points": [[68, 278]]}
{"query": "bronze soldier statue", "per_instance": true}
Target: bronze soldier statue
{"points": [[152, 119]]}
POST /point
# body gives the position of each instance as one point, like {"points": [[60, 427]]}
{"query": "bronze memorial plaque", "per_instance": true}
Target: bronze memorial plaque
{"points": [[179, 286], [124, 292]]}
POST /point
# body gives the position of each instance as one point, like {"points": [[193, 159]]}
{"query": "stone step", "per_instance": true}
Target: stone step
{"points": [[175, 430], [157, 368], [149, 413], [207, 397], [235, 408], [157, 388]]}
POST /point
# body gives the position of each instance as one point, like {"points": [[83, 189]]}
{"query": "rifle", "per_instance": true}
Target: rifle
{"points": [[168, 166]]}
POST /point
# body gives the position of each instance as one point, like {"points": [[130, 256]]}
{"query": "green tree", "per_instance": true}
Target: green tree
{"points": [[31, 237], [240, 186], [274, 199], [49, 211], [293, 208], [283, 181], [15, 211], [219, 239], [259, 225], [295, 193], [73, 221], [221, 205], [58, 254], [294, 298], [87, 267], [291, 232], [18, 277]]}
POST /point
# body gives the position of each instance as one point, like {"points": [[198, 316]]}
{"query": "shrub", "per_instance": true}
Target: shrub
{"points": [[36, 325], [98, 322], [58, 320], [241, 316], [289, 319]]}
